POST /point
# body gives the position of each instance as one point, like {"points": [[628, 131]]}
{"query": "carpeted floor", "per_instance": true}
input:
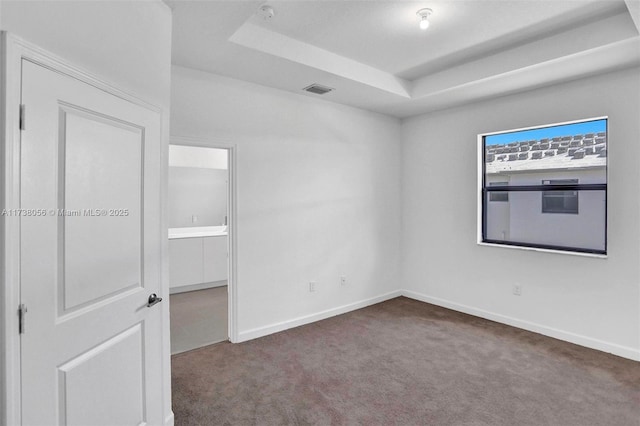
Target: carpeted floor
{"points": [[404, 362]]}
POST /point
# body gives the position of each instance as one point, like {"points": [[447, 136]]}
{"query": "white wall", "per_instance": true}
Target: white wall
{"points": [[125, 43], [199, 192], [128, 43], [318, 194], [198, 181], [595, 302], [191, 156]]}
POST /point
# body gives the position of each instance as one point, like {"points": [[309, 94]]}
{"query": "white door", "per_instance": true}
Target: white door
{"points": [[90, 255]]}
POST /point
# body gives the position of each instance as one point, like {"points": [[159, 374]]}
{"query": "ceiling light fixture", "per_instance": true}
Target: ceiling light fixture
{"points": [[266, 12], [424, 17]]}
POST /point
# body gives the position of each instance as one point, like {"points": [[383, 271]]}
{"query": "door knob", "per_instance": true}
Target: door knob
{"points": [[153, 299]]}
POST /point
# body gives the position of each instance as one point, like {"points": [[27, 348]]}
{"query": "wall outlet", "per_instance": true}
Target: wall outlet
{"points": [[517, 289], [194, 219], [343, 280], [312, 286]]}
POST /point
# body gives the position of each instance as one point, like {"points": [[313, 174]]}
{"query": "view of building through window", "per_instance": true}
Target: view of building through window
{"points": [[499, 196], [546, 187], [560, 201]]}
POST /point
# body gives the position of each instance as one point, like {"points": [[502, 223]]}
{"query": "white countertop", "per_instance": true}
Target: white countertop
{"points": [[197, 231]]}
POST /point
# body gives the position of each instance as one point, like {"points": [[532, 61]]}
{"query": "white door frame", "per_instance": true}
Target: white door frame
{"points": [[13, 50], [232, 280]]}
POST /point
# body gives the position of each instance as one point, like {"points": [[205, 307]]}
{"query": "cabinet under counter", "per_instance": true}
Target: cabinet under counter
{"points": [[197, 258]]}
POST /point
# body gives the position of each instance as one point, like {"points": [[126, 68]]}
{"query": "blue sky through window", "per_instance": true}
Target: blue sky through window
{"points": [[593, 126]]}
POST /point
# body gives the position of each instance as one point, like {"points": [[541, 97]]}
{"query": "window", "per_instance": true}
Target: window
{"points": [[560, 201], [499, 196], [545, 187]]}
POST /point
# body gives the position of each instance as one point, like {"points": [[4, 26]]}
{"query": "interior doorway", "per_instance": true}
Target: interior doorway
{"points": [[200, 273]]}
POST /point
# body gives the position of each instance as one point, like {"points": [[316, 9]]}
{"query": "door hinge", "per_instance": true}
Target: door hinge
{"points": [[22, 117], [22, 312]]}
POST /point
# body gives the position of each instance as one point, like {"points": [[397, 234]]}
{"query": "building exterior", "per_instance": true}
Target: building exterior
{"points": [[554, 218]]}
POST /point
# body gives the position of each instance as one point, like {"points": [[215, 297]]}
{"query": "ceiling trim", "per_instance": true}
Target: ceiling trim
{"points": [[599, 60], [560, 46], [279, 45], [599, 38], [634, 10]]}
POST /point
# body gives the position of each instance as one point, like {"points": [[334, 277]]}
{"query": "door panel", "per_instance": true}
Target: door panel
{"points": [[102, 164], [91, 350], [100, 368]]}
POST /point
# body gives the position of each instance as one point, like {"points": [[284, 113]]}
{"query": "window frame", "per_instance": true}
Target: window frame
{"points": [[485, 189]]}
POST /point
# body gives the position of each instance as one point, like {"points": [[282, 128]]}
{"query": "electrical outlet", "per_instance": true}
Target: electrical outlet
{"points": [[194, 219], [312, 286], [517, 289], [343, 280]]}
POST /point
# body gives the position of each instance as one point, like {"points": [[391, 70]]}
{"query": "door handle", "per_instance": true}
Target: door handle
{"points": [[153, 299]]}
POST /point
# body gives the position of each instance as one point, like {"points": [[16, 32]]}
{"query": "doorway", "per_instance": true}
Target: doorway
{"points": [[199, 213]]}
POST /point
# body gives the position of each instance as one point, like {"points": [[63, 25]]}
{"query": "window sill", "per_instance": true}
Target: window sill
{"points": [[544, 250]]}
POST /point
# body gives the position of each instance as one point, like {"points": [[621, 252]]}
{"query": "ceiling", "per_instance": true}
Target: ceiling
{"points": [[377, 58]]}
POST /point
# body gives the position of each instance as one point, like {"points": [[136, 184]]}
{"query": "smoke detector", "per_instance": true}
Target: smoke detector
{"points": [[318, 89], [266, 12]]}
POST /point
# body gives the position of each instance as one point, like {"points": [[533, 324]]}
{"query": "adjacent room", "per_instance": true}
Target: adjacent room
{"points": [[198, 246], [320, 212]]}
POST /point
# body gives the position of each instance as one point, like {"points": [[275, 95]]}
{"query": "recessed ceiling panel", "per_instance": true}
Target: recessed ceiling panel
{"points": [[386, 34], [377, 58]]}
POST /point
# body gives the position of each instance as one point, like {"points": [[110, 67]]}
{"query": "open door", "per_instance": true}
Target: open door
{"points": [[90, 259]]}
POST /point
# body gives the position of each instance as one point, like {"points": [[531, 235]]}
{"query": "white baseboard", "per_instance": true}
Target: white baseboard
{"points": [[623, 351], [285, 325], [589, 342], [194, 287]]}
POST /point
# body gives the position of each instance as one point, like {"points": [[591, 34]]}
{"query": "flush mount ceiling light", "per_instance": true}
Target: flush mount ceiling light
{"points": [[424, 17], [266, 12]]}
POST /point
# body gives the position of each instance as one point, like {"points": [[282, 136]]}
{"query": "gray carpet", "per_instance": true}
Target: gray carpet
{"points": [[404, 362]]}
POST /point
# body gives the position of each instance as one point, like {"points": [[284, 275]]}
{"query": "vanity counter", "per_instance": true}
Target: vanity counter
{"points": [[197, 232]]}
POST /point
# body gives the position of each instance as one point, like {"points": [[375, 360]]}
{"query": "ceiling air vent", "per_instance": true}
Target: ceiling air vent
{"points": [[318, 89]]}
